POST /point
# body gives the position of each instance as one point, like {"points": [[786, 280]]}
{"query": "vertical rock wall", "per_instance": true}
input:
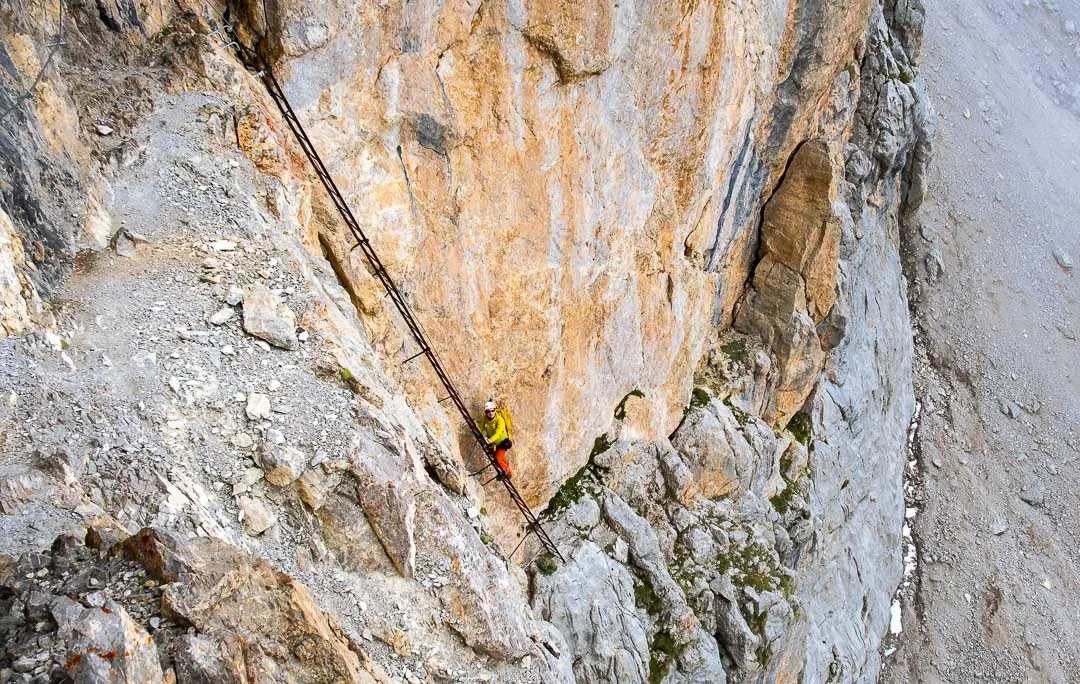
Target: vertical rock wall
{"points": [[697, 202], [568, 193]]}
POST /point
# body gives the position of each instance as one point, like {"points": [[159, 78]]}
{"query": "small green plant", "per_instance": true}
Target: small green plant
{"points": [[699, 398], [736, 350], [546, 564], [588, 478], [741, 416], [345, 374], [752, 566], [801, 427], [663, 652], [600, 445], [645, 597], [486, 538], [782, 501], [620, 410]]}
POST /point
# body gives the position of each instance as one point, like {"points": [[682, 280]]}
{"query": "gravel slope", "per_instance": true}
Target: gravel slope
{"points": [[999, 370]]}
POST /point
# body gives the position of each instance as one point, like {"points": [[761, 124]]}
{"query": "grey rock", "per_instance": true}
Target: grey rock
{"points": [[258, 406], [199, 336], [282, 464], [584, 514], [587, 600], [110, 630], [222, 316], [1009, 408], [713, 446], [935, 264], [95, 599], [124, 245], [65, 612], [203, 660], [235, 296], [740, 642], [1034, 497], [24, 663], [622, 550], [1063, 258], [267, 318]]}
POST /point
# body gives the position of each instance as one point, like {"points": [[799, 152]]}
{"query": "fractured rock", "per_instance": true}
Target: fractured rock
{"points": [[800, 228], [258, 406], [107, 646], [267, 318], [281, 463], [588, 600], [257, 518]]}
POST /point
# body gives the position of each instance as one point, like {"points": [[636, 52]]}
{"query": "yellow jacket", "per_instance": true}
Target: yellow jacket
{"points": [[494, 429]]}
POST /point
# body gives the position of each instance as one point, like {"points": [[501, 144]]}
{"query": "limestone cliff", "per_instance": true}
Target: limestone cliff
{"points": [[664, 234]]}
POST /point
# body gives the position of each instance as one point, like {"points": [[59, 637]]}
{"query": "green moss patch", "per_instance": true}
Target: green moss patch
{"points": [[742, 416], [754, 566], [801, 427], [664, 651], [546, 564], [645, 597], [737, 351], [699, 398], [587, 479], [600, 445]]}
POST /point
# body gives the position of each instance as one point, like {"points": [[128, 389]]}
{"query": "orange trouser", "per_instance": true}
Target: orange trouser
{"points": [[502, 461]]}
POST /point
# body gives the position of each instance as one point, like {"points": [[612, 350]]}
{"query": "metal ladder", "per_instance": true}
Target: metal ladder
{"points": [[273, 87]]}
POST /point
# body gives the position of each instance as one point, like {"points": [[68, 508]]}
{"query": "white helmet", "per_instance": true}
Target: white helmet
{"points": [[490, 405]]}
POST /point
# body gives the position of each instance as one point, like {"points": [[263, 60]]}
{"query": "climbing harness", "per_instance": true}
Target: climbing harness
{"points": [[273, 87]]}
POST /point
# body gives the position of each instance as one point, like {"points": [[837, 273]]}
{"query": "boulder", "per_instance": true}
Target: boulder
{"points": [[716, 451], [106, 646], [281, 463], [590, 601], [801, 230], [257, 517], [267, 318]]}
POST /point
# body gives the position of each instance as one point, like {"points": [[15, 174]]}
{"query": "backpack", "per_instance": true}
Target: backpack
{"points": [[505, 414]]}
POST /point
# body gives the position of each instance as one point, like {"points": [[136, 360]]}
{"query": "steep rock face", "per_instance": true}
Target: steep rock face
{"points": [[785, 546], [563, 189], [794, 283], [570, 196]]}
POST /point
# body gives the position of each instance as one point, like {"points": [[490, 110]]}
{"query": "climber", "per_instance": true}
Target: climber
{"points": [[497, 428]]}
